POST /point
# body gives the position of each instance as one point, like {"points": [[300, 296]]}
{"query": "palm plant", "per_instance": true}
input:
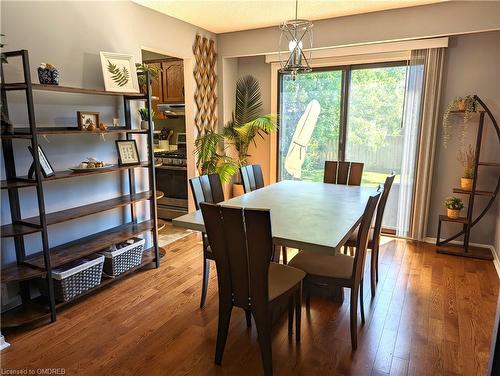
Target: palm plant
{"points": [[246, 123]]}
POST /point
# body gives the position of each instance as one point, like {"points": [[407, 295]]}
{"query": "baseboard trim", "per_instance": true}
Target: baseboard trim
{"points": [[496, 261]]}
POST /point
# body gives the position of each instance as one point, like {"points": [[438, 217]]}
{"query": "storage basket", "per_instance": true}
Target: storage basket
{"points": [[123, 257], [77, 277]]}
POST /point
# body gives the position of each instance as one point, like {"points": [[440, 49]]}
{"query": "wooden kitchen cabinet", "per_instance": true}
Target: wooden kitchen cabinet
{"points": [[173, 81], [170, 85]]}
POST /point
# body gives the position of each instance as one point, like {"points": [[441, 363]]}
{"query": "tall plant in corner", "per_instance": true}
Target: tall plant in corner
{"points": [[247, 121]]}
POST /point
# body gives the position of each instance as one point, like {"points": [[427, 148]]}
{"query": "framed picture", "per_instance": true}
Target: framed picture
{"points": [[127, 152], [87, 119], [45, 165], [119, 72]]}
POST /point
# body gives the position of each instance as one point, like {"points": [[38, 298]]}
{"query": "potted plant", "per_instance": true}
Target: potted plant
{"points": [[144, 112], [453, 206], [467, 159], [239, 133], [468, 105], [154, 73]]}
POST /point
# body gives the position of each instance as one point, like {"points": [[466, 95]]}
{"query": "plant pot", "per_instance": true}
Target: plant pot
{"points": [[453, 213], [238, 190], [466, 184], [48, 76], [144, 124]]}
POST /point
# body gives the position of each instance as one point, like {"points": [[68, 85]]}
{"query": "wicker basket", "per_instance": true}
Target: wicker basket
{"points": [[123, 257], [77, 277]]}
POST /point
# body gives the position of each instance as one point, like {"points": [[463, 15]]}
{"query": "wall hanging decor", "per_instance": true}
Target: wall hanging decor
{"points": [[206, 84], [119, 72]]}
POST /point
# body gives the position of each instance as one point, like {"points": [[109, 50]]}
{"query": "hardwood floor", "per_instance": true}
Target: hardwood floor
{"points": [[433, 314]]}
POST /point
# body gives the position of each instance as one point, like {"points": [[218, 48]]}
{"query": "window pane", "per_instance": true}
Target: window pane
{"points": [[374, 133], [325, 88]]}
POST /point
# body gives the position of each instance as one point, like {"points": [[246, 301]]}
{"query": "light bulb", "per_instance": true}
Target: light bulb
{"points": [[293, 44]]}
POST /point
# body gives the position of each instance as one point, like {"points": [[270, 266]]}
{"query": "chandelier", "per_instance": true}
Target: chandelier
{"points": [[298, 34]]}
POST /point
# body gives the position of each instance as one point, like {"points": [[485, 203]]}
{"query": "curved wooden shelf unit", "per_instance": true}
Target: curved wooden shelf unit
{"points": [[17, 229], [18, 273], [467, 250], [37, 311]]}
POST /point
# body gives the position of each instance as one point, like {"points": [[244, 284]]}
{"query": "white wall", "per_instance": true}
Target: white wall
{"points": [[70, 36], [471, 67]]}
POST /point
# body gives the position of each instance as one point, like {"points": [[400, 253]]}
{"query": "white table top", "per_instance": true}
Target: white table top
{"points": [[310, 216]]}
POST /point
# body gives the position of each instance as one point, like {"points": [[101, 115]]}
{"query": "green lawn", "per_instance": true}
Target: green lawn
{"points": [[370, 178]]}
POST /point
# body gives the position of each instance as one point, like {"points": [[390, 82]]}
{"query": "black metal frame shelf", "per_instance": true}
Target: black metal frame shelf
{"points": [[39, 265], [445, 246]]}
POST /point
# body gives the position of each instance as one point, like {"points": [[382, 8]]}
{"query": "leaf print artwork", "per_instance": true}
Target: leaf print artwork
{"points": [[119, 76]]}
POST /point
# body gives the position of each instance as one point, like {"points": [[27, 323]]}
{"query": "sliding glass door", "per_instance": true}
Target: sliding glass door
{"points": [[352, 113]]}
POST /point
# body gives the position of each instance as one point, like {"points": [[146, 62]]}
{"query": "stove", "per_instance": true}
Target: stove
{"points": [[171, 179]]}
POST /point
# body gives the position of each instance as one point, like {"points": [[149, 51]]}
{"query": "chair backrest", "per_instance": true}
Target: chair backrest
{"points": [[345, 173], [242, 246], [381, 208], [252, 178], [362, 240], [206, 188]]}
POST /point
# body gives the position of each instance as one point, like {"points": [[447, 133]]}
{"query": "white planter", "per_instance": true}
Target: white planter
{"points": [[144, 124]]}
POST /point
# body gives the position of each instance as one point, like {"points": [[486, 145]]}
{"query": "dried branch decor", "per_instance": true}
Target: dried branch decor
{"points": [[206, 83]]}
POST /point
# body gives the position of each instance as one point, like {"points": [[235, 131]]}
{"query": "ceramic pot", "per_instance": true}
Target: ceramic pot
{"points": [[48, 76], [144, 124], [453, 213], [466, 184], [238, 190]]}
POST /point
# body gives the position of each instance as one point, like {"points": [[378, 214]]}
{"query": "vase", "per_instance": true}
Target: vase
{"points": [[144, 124], [453, 213], [48, 76], [238, 190], [466, 184]]}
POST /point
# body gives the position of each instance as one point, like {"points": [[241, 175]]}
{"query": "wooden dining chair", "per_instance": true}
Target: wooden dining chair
{"points": [[340, 270], [241, 242], [345, 173], [374, 236], [206, 188], [252, 178]]}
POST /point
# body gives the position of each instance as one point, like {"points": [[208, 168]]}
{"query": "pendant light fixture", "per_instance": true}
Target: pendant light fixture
{"points": [[298, 35]]}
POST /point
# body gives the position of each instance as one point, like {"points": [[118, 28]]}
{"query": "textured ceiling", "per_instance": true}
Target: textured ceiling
{"points": [[221, 16]]}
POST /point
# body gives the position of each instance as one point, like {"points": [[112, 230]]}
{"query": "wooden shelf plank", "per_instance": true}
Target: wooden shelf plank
{"points": [[445, 218], [23, 132], [15, 229], [16, 183], [26, 136], [491, 164], [81, 90], [477, 193], [94, 208], [82, 247], [17, 273], [473, 252]]}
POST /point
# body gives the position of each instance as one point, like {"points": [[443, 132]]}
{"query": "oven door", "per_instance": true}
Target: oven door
{"points": [[172, 181]]}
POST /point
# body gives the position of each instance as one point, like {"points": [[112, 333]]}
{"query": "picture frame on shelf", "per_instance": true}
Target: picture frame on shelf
{"points": [[87, 120], [119, 72], [46, 167], [128, 154]]}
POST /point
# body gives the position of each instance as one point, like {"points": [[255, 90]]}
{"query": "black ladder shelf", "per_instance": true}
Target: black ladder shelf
{"points": [[39, 265], [465, 249]]}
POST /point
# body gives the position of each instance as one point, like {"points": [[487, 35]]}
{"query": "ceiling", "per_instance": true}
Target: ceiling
{"points": [[222, 16]]}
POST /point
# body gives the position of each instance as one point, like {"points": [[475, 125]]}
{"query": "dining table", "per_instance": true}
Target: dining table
{"points": [[310, 216]]}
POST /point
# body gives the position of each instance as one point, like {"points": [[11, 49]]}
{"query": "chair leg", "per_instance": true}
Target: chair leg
{"points": [[298, 313], [291, 300], [248, 315], [222, 330], [204, 282], [264, 337], [361, 304], [285, 255], [354, 318], [373, 272]]}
